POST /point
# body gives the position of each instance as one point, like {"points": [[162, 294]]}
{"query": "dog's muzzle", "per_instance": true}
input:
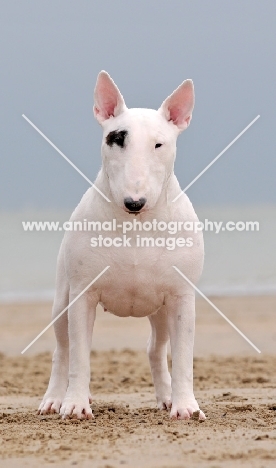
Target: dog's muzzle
{"points": [[134, 206]]}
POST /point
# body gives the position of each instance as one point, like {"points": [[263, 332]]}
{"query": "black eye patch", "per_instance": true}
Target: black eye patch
{"points": [[116, 137]]}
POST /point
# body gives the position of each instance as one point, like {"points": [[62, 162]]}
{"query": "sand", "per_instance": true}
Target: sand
{"points": [[234, 385]]}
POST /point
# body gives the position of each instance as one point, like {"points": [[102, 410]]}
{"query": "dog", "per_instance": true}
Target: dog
{"points": [[137, 177]]}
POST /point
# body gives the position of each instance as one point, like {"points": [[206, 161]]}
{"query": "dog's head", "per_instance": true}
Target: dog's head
{"points": [[139, 145]]}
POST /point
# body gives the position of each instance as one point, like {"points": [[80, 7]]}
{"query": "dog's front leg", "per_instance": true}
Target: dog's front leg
{"points": [[157, 352], [181, 321], [81, 317]]}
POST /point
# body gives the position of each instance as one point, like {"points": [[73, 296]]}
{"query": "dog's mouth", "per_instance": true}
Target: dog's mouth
{"points": [[136, 212]]}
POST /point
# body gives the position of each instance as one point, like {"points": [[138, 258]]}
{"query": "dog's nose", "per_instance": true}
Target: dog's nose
{"points": [[134, 206]]}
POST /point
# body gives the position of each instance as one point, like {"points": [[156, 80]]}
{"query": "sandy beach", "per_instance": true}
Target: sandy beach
{"points": [[234, 385]]}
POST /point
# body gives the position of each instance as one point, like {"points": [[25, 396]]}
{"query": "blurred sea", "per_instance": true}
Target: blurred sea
{"points": [[236, 263]]}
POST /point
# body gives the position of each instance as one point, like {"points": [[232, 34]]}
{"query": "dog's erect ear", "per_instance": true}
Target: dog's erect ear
{"points": [[178, 107], [108, 101]]}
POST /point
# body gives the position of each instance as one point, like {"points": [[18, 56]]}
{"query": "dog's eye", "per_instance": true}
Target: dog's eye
{"points": [[119, 140], [116, 137], [158, 145]]}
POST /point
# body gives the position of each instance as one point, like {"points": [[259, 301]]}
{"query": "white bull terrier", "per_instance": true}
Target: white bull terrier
{"points": [[137, 176]]}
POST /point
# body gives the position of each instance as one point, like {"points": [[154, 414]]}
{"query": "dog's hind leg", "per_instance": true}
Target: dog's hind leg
{"points": [[58, 383], [157, 352]]}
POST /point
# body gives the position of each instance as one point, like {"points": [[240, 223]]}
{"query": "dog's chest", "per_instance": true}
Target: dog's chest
{"points": [[136, 285], [140, 276]]}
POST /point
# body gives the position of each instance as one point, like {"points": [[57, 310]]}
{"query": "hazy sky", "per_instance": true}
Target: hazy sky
{"points": [[52, 51]]}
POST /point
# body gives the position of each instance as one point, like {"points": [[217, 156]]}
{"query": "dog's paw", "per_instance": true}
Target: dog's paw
{"points": [[163, 391], [186, 410], [50, 404], [76, 407], [164, 403]]}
